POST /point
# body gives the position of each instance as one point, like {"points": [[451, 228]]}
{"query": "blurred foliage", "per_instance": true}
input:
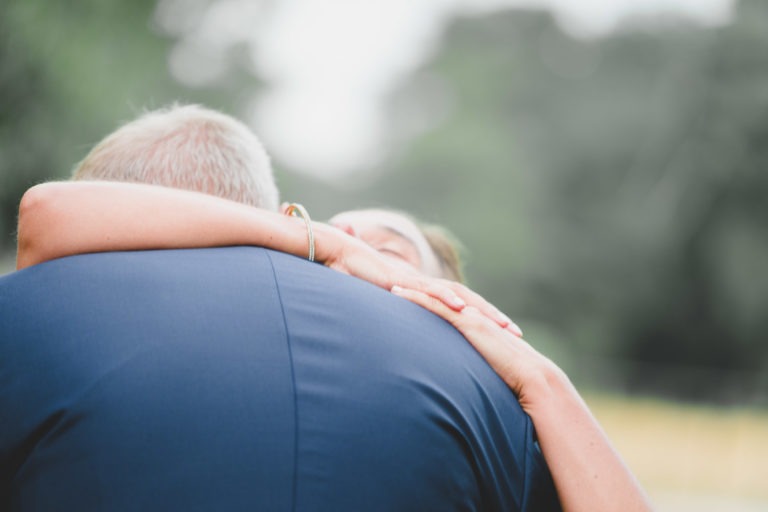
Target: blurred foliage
{"points": [[69, 74], [611, 192]]}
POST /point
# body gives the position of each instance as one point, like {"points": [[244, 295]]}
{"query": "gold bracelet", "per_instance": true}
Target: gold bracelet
{"points": [[297, 210]]}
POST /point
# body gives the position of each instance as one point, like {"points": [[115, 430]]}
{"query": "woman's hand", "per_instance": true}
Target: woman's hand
{"points": [[350, 255], [589, 474], [521, 367]]}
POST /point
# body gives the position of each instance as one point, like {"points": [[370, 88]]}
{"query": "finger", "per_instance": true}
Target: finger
{"points": [[488, 309], [498, 346], [437, 289], [472, 324], [428, 302], [481, 304]]}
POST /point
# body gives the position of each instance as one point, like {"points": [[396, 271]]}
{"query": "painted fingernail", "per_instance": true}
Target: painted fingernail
{"points": [[458, 301], [503, 319]]}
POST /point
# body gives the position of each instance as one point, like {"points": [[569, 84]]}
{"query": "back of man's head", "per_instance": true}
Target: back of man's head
{"points": [[188, 147]]}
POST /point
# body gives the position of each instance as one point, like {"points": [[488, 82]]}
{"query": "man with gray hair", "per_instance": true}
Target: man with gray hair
{"points": [[240, 378], [187, 147]]}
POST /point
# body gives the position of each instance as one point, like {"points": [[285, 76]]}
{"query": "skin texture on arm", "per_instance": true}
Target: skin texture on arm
{"points": [[66, 218], [588, 473], [60, 219]]}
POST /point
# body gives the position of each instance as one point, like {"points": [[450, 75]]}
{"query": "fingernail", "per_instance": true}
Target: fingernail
{"points": [[503, 319], [458, 302], [396, 289], [515, 329], [471, 310]]}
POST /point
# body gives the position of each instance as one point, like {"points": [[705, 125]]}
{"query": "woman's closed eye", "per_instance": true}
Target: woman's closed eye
{"points": [[395, 253], [398, 255], [388, 241]]}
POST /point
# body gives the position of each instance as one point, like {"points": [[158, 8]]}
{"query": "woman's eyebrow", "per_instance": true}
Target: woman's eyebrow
{"points": [[402, 235]]}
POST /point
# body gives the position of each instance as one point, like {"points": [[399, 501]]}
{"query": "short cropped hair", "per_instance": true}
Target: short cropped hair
{"points": [[187, 147]]}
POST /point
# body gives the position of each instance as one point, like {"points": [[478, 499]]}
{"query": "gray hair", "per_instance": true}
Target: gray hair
{"points": [[188, 147]]}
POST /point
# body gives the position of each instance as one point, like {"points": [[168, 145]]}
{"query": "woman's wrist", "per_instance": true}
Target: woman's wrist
{"points": [[329, 242], [546, 390]]}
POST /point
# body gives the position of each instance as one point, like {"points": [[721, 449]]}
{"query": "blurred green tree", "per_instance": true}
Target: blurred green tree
{"points": [[69, 73]]}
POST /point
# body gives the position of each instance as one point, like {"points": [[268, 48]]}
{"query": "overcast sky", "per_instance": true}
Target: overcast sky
{"points": [[328, 64]]}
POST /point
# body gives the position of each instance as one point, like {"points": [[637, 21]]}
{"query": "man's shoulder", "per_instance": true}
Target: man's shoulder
{"points": [[358, 386], [131, 268], [381, 375], [129, 366]]}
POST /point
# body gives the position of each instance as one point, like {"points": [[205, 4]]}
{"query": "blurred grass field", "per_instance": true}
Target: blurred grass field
{"points": [[691, 458]]}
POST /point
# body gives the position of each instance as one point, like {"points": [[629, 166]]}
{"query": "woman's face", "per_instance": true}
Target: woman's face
{"points": [[393, 235]]}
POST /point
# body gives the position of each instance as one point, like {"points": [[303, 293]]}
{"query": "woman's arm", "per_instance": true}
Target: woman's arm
{"points": [[60, 219], [65, 218], [588, 473]]}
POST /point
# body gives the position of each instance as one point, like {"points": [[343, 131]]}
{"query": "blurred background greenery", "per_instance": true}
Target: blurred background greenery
{"points": [[610, 186]]}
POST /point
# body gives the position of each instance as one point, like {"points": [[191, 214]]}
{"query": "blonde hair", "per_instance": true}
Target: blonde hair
{"points": [[188, 147], [447, 250]]}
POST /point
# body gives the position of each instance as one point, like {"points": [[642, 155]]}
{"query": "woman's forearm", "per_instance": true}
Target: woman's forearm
{"points": [[588, 473], [65, 218]]}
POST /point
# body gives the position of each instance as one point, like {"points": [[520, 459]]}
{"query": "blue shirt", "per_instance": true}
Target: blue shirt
{"points": [[245, 379]]}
